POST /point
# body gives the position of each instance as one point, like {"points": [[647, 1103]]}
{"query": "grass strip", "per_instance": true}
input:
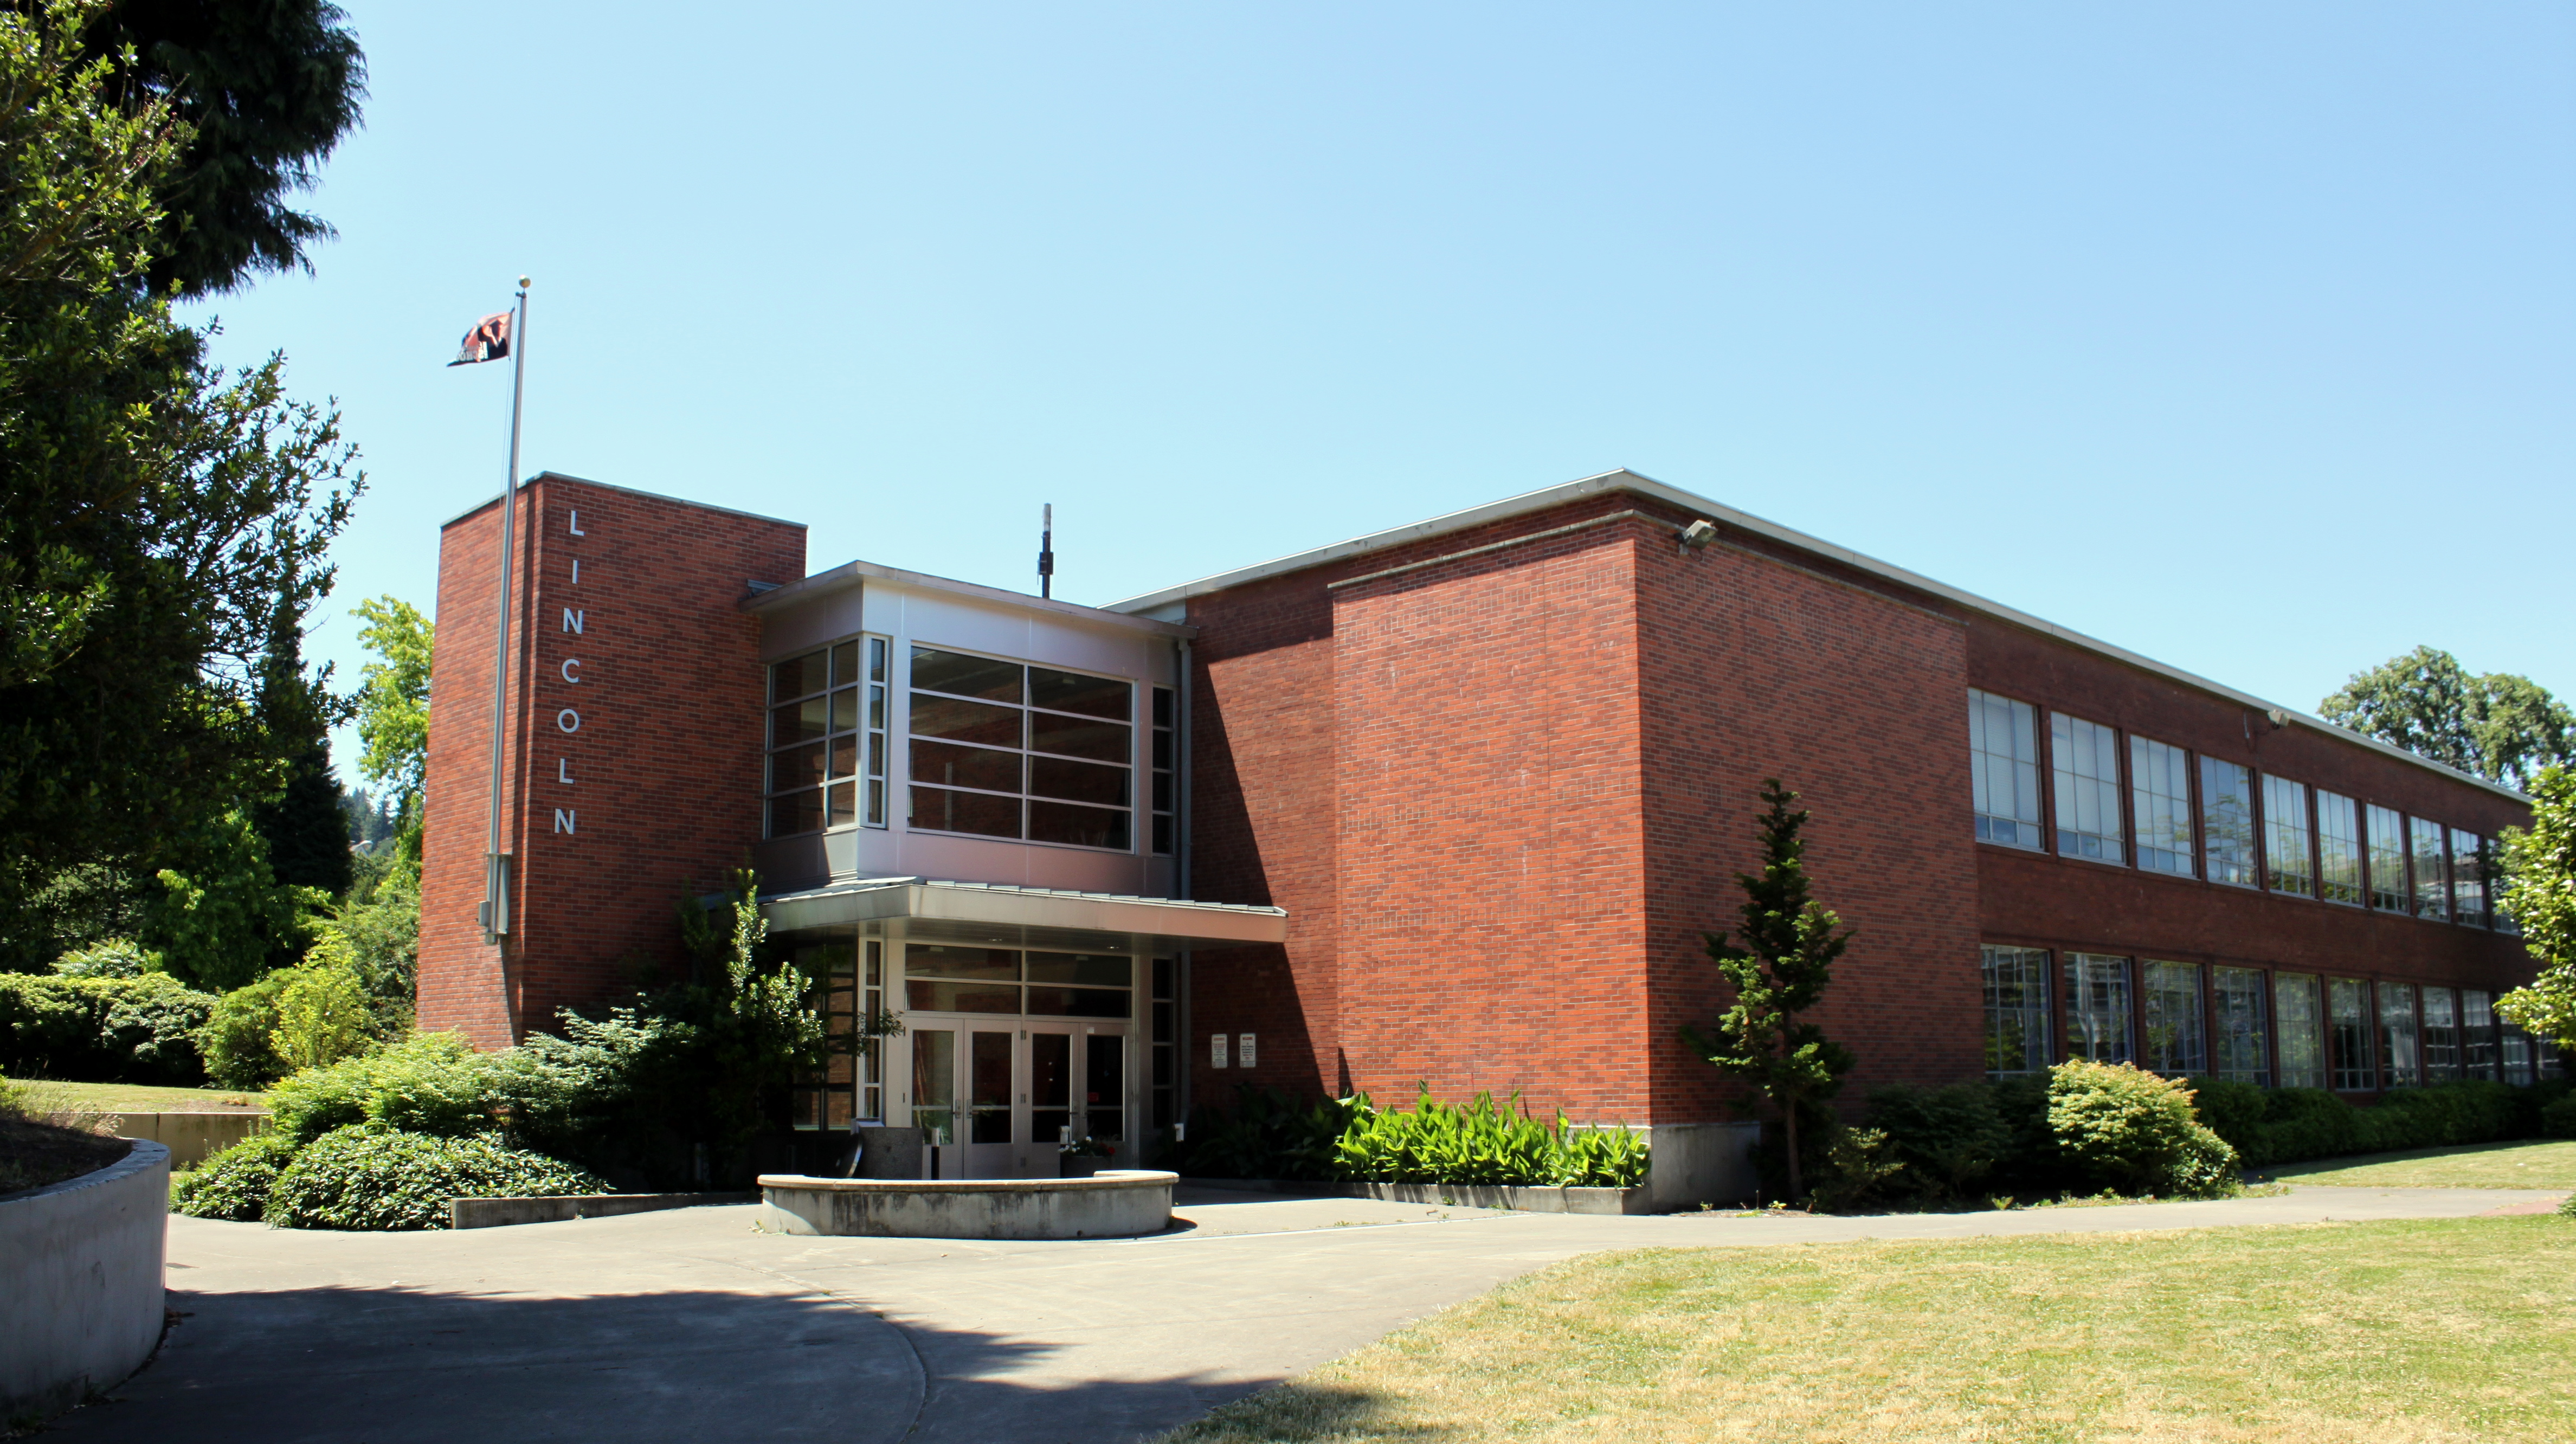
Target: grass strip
{"points": [[2478, 1165], [44, 1095], [2432, 1330]]}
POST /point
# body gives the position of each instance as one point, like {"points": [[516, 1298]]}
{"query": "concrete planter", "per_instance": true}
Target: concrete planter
{"points": [[1457, 1195], [1110, 1204], [191, 1136], [558, 1208], [80, 1282]]}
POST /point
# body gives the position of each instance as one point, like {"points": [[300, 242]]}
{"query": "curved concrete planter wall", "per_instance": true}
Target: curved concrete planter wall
{"points": [[80, 1282], [1120, 1204]]}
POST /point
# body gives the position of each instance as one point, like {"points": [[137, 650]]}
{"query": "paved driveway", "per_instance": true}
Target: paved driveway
{"points": [[694, 1325]]}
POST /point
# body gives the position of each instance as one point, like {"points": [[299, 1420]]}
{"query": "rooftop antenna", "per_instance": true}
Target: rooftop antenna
{"points": [[1046, 550]]}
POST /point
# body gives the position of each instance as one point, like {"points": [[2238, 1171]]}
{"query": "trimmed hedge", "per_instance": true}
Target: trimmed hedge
{"points": [[2268, 1126], [102, 1030], [234, 1183], [372, 1177]]}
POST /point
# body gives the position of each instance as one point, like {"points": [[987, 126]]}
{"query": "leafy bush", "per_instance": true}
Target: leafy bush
{"points": [[236, 1039], [431, 1083], [1857, 1164], [111, 958], [2558, 1119], [371, 1177], [2135, 1131], [322, 1017], [1267, 1134], [1270, 1134], [234, 1184], [1949, 1140], [2234, 1111], [101, 1029]]}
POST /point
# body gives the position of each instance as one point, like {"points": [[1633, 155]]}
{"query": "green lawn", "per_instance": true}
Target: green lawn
{"points": [[45, 1096], [2312, 1334], [2550, 1164]]}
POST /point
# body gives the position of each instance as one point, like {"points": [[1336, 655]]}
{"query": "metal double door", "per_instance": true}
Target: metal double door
{"points": [[1004, 1098]]}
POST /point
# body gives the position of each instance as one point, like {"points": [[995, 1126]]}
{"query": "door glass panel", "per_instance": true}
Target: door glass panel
{"points": [[989, 1079], [1104, 1084], [933, 996], [1050, 1087], [1078, 1002], [934, 1084]]}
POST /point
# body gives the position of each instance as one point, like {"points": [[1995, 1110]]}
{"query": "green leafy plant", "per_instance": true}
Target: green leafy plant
{"points": [[1950, 1140], [2136, 1131], [236, 1038], [234, 1184], [1858, 1163], [109, 958], [90, 1029], [1270, 1134], [321, 1017], [368, 1176], [2540, 896], [1780, 971]]}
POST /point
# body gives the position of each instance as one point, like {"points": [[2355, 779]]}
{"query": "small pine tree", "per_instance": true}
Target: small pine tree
{"points": [[306, 832], [1781, 971]]}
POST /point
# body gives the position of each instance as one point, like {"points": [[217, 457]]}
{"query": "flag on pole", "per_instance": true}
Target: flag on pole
{"points": [[488, 341]]}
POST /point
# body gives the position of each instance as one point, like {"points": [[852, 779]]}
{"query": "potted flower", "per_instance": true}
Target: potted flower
{"points": [[1084, 1156]]}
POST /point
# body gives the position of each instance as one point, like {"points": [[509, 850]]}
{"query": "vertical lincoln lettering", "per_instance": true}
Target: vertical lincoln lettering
{"points": [[574, 524], [573, 619], [563, 819], [563, 771], [568, 720], [571, 670]]}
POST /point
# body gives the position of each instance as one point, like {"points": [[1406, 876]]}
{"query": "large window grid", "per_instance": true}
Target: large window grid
{"points": [[1009, 749], [2097, 1008], [2441, 1036], [2288, 866], [2478, 1035], [1164, 1075], [1166, 771], [849, 991], [827, 738], [2398, 1037], [2517, 1056], [2468, 879], [2160, 798], [947, 979], [2338, 848], [2086, 759], [2301, 1031], [2003, 769], [2388, 888], [2016, 1011], [2176, 1042], [2432, 884], [2351, 1033], [2227, 822], [2241, 1042]]}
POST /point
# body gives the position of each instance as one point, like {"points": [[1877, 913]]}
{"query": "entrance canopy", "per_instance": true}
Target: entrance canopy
{"points": [[996, 915]]}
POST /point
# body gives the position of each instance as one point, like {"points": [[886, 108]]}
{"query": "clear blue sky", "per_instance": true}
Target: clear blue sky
{"points": [[2238, 335]]}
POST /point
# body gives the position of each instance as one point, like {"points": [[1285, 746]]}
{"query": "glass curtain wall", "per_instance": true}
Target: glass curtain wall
{"points": [[2097, 1008], [2388, 890], [2353, 1037], [2177, 1029], [2441, 1037], [2016, 1011], [2086, 756], [2302, 1033], [2338, 848], [2003, 769], [2227, 822], [2160, 797], [2397, 1035], [2242, 1042], [2287, 865]]}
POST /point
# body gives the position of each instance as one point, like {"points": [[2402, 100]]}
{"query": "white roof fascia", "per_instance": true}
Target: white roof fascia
{"points": [[853, 574], [1624, 480]]}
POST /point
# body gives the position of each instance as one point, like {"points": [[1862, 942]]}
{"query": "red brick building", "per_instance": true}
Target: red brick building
{"points": [[1449, 804]]}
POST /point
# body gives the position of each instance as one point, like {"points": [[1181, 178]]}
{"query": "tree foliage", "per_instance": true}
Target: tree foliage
{"points": [[2495, 725], [306, 830], [1780, 971], [2540, 894], [160, 513], [393, 698]]}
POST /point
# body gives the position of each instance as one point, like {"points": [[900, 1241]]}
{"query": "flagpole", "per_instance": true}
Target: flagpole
{"points": [[496, 865]]}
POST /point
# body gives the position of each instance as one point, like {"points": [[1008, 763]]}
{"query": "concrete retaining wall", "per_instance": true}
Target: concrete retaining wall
{"points": [[561, 1207], [190, 1136], [80, 1282], [1120, 1204], [1454, 1195]]}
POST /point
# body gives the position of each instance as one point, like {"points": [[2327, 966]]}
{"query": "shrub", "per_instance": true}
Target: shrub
{"points": [[372, 1177], [235, 1183], [432, 1083], [2558, 1120], [2135, 1131], [100, 1029], [322, 1017], [112, 958], [153, 1021], [1857, 1163], [1950, 1140], [2233, 1111], [1270, 1134], [235, 1040]]}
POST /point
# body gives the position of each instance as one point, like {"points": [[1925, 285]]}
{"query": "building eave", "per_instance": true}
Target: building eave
{"points": [[854, 574]]}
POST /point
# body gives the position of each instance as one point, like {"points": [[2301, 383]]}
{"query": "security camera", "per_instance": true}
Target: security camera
{"points": [[2278, 718], [1699, 534]]}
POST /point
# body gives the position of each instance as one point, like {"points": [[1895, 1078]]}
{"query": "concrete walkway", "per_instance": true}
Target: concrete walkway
{"points": [[694, 1325]]}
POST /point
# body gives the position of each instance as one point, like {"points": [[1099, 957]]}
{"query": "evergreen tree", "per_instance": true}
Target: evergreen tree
{"points": [[1779, 972], [306, 831]]}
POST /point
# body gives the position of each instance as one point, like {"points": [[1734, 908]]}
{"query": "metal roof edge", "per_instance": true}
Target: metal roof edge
{"points": [[853, 573], [629, 490], [1623, 479]]}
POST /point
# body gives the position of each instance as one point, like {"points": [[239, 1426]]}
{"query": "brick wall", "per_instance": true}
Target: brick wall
{"points": [[635, 727]]}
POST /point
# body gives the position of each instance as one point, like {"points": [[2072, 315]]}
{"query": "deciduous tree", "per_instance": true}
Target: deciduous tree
{"points": [[2494, 725], [2540, 893]]}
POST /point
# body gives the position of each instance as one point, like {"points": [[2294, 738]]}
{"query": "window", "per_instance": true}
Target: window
{"points": [[2086, 756], [2478, 1035], [2517, 1056], [2388, 860], [999, 980], [2003, 769], [2432, 893], [1005, 749], [2397, 1034], [2303, 1044], [2545, 1061], [2441, 1037], [2177, 1042], [2016, 1011], [827, 738], [2287, 866], [2468, 878], [2243, 1046], [1165, 1064], [849, 989], [2338, 848], [2097, 1008], [1166, 787], [2160, 795], [2348, 1016], [2227, 822]]}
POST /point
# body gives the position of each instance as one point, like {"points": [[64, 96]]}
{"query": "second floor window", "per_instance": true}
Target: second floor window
{"points": [[1006, 749], [2003, 769], [2432, 886], [2468, 878], [2388, 860], [2338, 848], [2286, 864], [2160, 795], [2086, 758], [2227, 821], [827, 738]]}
